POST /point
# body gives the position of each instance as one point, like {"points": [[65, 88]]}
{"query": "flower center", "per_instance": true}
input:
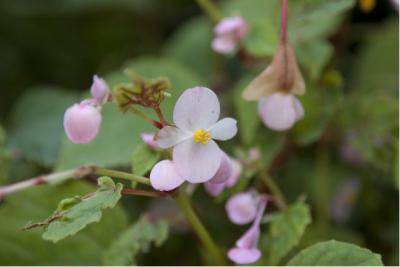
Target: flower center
{"points": [[201, 136]]}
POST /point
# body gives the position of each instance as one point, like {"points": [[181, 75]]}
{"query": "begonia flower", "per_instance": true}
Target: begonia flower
{"points": [[195, 154], [246, 251], [99, 90], [228, 34], [82, 122]]}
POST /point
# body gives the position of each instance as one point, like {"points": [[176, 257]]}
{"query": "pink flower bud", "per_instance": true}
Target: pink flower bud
{"points": [[224, 171], [81, 123], [164, 176], [229, 32], [242, 208], [280, 111], [148, 139], [99, 90]]}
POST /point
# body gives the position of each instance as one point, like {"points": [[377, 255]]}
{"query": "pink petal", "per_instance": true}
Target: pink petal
{"points": [[148, 139], [197, 108], [224, 45], [250, 238], [164, 176], [279, 111], [82, 123], [99, 89], [236, 172], [214, 189], [224, 170], [197, 162], [232, 25], [242, 208], [224, 129], [170, 136], [244, 256]]}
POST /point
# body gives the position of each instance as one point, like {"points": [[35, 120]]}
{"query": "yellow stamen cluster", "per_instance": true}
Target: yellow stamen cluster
{"points": [[201, 136]]}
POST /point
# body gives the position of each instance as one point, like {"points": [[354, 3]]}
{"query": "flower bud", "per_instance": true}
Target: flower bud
{"points": [[280, 111], [148, 139], [242, 208], [224, 171], [229, 32], [99, 90], [82, 122]]}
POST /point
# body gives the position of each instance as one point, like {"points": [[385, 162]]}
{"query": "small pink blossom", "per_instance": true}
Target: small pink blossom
{"points": [[246, 251], [241, 208], [82, 122], [280, 111], [228, 33], [148, 139], [195, 154], [165, 177], [99, 90], [215, 189]]}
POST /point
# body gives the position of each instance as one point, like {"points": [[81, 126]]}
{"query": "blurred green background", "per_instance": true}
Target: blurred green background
{"points": [[343, 156]]}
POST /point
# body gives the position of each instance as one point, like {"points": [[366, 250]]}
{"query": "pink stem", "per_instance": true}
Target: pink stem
{"points": [[283, 33]]}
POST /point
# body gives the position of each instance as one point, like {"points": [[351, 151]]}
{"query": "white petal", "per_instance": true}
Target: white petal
{"points": [[278, 111], [197, 162], [164, 176], [224, 129], [197, 108], [170, 136]]}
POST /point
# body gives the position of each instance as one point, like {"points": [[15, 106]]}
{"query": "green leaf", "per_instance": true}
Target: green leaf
{"points": [[262, 39], [334, 253], [74, 214], [247, 113], [120, 133], [137, 238], [285, 232], [28, 248], [143, 159], [36, 128]]}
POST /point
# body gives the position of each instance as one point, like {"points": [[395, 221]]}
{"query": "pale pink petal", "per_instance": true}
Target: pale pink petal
{"points": [[197, 108], [164, 176], [170, 136], [236, 172], [82, 123], [244, 256], [197, 162], [232, 25], [214, 189], [250, 238], [224, 129], [241, 208], [298, 108], [279, 111], [148, 139], [224, 170], [99, 89], [224, 44]]}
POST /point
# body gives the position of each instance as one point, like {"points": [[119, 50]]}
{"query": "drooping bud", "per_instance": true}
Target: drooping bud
{"points": [[242, 207], [99, 90], [280, 111], [82, 122], [229, 32], [282, 75]]}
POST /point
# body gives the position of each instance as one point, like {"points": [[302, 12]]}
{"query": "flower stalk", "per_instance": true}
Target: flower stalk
{"points": [[274, 188], [184, 203]]}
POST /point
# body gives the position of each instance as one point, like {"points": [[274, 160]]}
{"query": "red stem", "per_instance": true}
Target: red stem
{"points": [[283, 33]]}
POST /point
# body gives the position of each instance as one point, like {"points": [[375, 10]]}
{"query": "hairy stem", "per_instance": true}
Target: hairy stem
{"points": [[184, 203], [211, 10], [274, 188]]}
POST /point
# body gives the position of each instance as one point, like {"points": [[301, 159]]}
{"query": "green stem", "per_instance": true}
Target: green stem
{"points": [[211, 10], [145, 117], [184, 203], [274, 188], [122, 175]]}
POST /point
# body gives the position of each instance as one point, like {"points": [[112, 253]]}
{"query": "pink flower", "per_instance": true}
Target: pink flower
{"points": [[165, 177], [148, 139], [82, 122], [229, 32], [242, 207], [226, 176], [246, 251], [280, 111], [195, 154], [99, 90]]}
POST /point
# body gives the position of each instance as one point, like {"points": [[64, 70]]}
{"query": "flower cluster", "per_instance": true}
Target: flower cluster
{"points": [[228, 34], [244, 208], [196, 157], [82, 120]]}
